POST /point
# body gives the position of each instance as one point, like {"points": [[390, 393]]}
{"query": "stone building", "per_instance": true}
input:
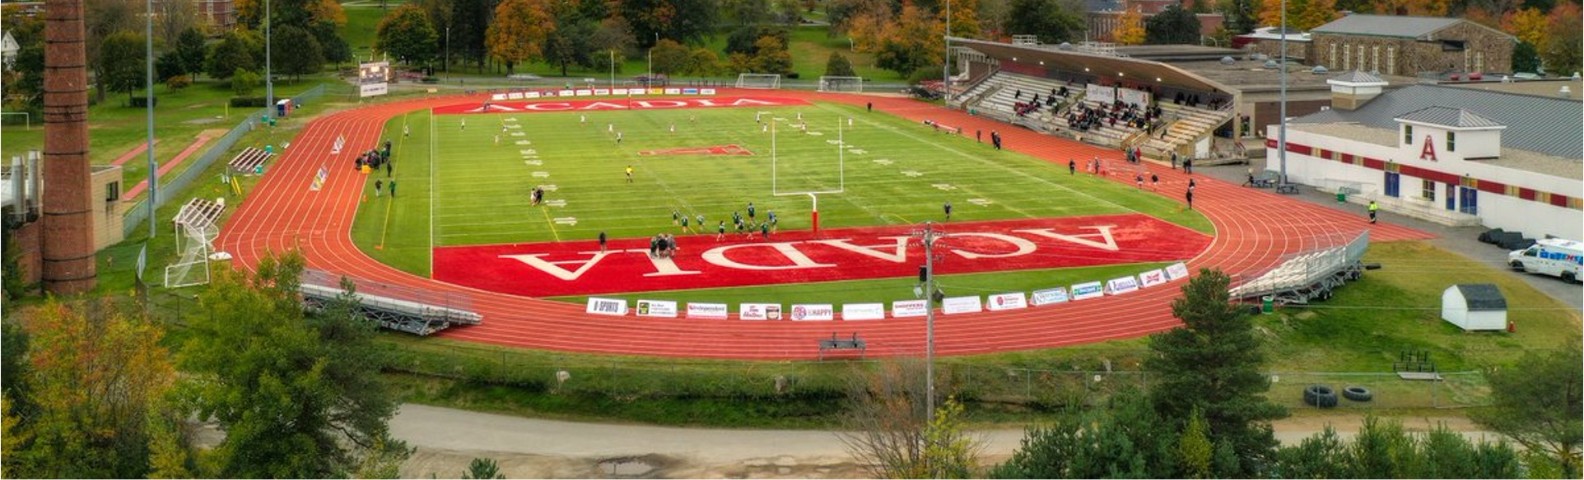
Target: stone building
{"points": [[1402, 45], [1103, 16]]}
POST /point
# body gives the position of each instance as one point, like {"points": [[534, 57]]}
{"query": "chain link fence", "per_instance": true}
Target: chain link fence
{"points": [[138, 212]]}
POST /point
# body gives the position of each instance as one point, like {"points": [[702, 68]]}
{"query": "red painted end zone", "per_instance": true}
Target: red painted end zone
{"points": [[614, 103], [579, 268]]}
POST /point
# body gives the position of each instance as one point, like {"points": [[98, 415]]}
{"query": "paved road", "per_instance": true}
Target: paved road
{"points": [[525, 447]]}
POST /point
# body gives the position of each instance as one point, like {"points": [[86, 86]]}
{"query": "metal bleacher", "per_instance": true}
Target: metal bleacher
{"points": [[415, 311], [996, 96], [1309, 275]]}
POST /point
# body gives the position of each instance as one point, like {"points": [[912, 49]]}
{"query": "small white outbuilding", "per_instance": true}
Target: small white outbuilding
{"points": [[1477, 306]]}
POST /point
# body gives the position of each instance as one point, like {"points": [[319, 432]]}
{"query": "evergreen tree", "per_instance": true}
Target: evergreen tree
{"points": [[1172, 26], [838, 66], [1212, 364]]}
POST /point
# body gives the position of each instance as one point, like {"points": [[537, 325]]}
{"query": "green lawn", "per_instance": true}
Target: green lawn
{"points": [[896, 172]]}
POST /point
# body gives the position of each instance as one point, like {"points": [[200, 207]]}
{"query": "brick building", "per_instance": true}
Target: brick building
{"points": [[1403, 45], [1103, 16], [220, 14]]}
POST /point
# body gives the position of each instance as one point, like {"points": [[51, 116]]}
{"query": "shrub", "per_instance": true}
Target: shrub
{"points": [[247, 101], [178, 82], [141, 102]]}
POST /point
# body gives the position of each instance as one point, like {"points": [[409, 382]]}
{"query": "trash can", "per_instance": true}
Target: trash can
{"points": [[1341, 196], [1268, 304]]}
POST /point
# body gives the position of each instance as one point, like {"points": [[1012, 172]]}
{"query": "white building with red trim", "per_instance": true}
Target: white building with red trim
{"points": [[1455, 156]]}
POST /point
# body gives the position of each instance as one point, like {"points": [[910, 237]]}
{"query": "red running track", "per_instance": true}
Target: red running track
{"points": [[1254, 230]]}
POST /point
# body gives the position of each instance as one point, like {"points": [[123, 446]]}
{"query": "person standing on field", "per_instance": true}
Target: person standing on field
{"points": [[602, 241]]}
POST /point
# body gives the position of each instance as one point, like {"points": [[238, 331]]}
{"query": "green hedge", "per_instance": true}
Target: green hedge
{"points": [[248, 102], [142, 102]]}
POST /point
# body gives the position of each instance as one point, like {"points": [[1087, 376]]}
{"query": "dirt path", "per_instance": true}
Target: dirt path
{"points": [[447, 439], [142, 147]]}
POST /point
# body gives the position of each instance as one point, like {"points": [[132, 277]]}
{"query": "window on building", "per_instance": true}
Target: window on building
{"points": [[1361, 57], [1347, 57], [1479, 61], [1407, 134], [112, 191], [1375, 58], [1333, 63], [1391, 60], [1428, 190], [1451, 141]]}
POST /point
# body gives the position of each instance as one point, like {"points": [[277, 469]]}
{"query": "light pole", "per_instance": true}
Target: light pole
{"points": [[448, 51], [649, 80], [1281, 135], [613, 68], [148, 104], [929, 237], [269, 80], [946, 57]]}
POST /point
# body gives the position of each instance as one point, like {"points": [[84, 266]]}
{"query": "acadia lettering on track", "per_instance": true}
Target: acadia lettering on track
{"points": [[608, 104], [580, 268]]}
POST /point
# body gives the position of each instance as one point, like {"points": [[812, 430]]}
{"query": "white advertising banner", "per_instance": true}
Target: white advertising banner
{"points": [[1008, 301], [1134, 97], [607, 306], [909, 308], [584, 92], [1118, 286], [1177, 271], [1152, 278], [1100, 93], [373, 89], [707, 91], [813, 312], [863, 311], [1085, 291], [716, 311], [531, 95], [498, 97], [670, 91], [602, 91], [657, 308], [759, 311], [955, 305], [514, 96], [564, 93], [1050, 296], [619, 91]]}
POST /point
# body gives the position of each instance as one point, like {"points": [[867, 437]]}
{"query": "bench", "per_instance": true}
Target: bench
{"points": [[1287, 188], [249, 160], [198, 213], [835, 343], [1266, 179]]}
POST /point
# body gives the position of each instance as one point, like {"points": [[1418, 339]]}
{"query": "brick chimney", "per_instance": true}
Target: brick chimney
{"points": [[68, 221], [1353, 89]]}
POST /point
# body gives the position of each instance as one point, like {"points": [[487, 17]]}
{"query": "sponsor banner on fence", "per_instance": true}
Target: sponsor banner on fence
{"points": [[563, 93], [759, 311], [373, 89], [607, 306], [602, 91], [810, 312], [1152, 278], [657, 308], [1008, 301], [863, 311], [531, 95], [953, 305], [1176, 271], [514, 96], [1085, 291], [1118, 286], [909, 308], [690, 91], [707, 91], [619, 91], [1103, 94], [1050, 296], [673, 91], [706, 310], [584, 92]]}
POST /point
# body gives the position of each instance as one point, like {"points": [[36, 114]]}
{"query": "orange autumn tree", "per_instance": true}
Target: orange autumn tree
{"points": [[1314, 13], [1417, 8], [1270, 12], [1528, 24], [97, 378], [519, 32], [1130, 27]]}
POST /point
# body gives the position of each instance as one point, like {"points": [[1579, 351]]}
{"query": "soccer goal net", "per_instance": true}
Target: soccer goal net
{"points": [[841, 84], [767, 81], [195, 234]]}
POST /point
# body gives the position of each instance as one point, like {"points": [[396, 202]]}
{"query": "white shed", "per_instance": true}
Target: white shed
{"points": [[1474, 307]]}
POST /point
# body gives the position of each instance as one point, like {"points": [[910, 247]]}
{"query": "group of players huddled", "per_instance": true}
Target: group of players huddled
{"points": [[744, 227]]}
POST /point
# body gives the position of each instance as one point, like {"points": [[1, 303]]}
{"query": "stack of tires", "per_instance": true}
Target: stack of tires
{"points": [[1322, 396]]}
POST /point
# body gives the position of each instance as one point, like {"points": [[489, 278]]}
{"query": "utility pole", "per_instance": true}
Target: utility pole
{"points": [[448, 51], [148, 104], [269, 79], [929, 235], [946, 56], [1281, 137]]}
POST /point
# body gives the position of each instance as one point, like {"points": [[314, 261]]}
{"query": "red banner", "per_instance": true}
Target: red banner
{"points": [[626, 265]]}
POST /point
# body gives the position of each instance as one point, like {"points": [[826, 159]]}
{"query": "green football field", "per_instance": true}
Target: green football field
{"points": [[459, 185]]}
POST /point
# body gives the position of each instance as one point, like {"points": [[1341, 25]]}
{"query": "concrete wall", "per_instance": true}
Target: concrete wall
{"points": [[1534, 219], [107, 215]]}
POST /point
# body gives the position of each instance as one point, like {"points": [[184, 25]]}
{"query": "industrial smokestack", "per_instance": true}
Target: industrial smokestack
{"points": [[68, 248]]}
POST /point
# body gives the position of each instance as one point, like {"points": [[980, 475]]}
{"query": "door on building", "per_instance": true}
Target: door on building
{"points": [[1451, 197], [1469, 198], [1393, 179]]}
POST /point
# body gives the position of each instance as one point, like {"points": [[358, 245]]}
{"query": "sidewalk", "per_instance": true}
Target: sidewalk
{"points": [[1461, 240]]}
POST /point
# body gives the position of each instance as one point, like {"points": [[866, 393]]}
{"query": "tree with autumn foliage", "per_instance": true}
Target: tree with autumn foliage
{"points": [[519, 32], [1561, 51], [1130, 27], [1528, 24], [1270, 12], [1417, 8], [1314, 14], [95, 377], [914, 43]]}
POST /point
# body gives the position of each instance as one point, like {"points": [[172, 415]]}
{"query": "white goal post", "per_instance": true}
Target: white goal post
{"points": [[841, 169], [766, 81], [830, 83]]}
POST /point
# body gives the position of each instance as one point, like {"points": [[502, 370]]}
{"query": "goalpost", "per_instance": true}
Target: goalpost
{"points": [[765, 81], [195, 233], [841, 177], [831, 83]]}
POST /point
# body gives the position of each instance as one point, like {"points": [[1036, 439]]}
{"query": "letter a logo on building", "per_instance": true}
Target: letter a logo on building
{"points": [[1429, 150]]}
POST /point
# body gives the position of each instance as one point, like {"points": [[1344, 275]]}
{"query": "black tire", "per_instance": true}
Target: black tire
{"points": [[1320, 396], [1517, 265], [1357, 393], [1569, 277]]}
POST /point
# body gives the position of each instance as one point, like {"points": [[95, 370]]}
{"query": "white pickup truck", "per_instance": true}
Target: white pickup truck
{"points": [[1553, 256]]}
